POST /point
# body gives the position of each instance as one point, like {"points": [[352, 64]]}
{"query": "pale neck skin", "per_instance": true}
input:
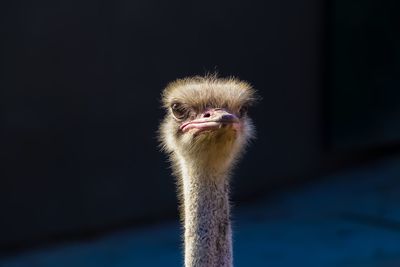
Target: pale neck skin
{"points": [[208, 237]]}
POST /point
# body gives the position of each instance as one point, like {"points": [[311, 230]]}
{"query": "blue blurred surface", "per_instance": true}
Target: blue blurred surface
{"points": [[351, 218]]}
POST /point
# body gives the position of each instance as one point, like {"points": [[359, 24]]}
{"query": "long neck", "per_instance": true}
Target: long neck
{"points": [[208, 241]]}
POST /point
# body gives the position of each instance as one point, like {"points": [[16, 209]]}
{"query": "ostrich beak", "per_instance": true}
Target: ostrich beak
{"points": [[212, 119]]}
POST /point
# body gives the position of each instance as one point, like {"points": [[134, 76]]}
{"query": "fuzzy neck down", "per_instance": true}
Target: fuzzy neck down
{"points": [[207, 229]]}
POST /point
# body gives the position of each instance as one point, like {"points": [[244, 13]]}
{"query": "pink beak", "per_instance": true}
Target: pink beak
{"points": [[211, 119]]}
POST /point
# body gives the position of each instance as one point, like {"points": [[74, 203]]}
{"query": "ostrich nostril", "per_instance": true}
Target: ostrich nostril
{"points": [[206, 115]]}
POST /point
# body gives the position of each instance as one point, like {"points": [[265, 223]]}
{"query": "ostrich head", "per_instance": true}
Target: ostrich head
{"points": [[206, 125]]}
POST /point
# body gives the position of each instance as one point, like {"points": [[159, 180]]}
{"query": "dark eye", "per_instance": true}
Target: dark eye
{"points": [[179, 111], [243, 111]]}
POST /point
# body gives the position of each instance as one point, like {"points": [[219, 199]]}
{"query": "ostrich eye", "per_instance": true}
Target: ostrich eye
{"points": [[243, 111], [179, 111]]}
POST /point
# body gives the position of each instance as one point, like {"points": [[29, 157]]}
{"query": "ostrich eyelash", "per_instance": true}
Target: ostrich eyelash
{"points": [[179, 111]]}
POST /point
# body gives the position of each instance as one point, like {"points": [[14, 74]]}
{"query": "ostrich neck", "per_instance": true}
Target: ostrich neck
{"points": [[206, 219]]}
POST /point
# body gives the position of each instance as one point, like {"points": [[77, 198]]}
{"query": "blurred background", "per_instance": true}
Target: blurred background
{"points": [[82, 181]]}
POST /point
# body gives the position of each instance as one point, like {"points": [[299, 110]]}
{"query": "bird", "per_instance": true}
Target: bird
{"points": [[205, 131]]}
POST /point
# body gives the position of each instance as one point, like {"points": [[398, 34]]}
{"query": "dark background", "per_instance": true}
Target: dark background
{"points": [[365, 73], [80, 85]]}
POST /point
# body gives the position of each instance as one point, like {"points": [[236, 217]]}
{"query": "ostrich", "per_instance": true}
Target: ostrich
{"points": [[204, 132]]}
